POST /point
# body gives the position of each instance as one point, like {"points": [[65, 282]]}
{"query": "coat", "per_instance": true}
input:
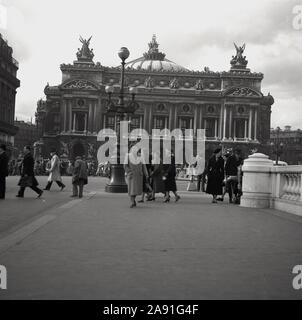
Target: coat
{"points": [[158, 183], [27, 172], [215, 173], [80, 172], [3, 165], [134, 177], [54, 171], [170, 175]]}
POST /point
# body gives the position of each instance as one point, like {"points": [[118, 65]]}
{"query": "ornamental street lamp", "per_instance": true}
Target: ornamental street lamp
{"points": [[117, 182], [277, 145]]}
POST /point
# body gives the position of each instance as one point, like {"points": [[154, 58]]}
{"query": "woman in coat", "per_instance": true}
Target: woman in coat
{"points": [[169, 171], [134, 177], [215, 173], [79, 177], [54, 172], [156, 174]]}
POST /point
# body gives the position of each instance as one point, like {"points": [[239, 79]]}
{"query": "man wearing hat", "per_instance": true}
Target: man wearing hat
{"points": [[3, 170]]}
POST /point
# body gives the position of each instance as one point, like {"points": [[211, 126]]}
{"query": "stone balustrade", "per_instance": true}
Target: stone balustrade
{"points": [[267, 186]]}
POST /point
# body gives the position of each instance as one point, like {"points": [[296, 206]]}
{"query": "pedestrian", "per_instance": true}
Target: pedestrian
{"points": [[79, 177], [147, 189], [27, 174], [199, 171], [169, 177], [54, 171], [232, 172], [156, 175], [134, 176], [215, 174], [3, 170]]}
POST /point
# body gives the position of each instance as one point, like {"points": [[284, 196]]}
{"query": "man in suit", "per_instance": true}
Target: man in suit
{"points": [[3, 170], [27, 175]]}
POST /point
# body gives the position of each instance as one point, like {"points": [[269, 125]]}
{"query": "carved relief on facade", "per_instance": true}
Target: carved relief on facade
{"points": [[80, 84], [174, 84], [149, 82], [243, 92]]}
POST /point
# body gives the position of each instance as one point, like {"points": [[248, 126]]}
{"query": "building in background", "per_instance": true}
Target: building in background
{"points": [[26, 135], [291, 142], [8, 85], [229, 105]]}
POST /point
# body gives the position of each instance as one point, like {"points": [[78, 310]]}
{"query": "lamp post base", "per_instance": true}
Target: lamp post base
{"points": [[117, 182]]}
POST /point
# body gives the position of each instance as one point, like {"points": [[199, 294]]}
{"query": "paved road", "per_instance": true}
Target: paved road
{"points": [[99, 248]]}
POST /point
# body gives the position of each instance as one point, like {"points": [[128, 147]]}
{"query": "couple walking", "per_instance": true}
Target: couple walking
{"points": [[163, 177], [79, 174]]}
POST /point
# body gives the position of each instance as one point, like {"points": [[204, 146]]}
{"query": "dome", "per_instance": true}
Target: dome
{"points": [[153, 60]]}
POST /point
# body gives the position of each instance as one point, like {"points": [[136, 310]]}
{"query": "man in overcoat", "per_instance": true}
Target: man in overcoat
{"points": [[27, 175]]}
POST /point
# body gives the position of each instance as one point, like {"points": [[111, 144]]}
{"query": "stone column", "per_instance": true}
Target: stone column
{"points": [[70, 115], [146, 118], [250, 123], [255, 122], [62, 111], [256, 183], [230, 122], [150, 119], [224, 122], [170, 125], [89, 126]]}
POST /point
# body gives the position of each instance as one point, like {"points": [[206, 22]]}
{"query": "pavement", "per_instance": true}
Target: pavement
{"points": [[97, 247]]}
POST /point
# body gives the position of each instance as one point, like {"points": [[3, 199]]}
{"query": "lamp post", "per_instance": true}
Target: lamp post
{"points": [[277, 146], [117, 182]]}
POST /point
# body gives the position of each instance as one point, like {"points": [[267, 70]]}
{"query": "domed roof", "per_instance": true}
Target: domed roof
{"points": [[153, 60]]}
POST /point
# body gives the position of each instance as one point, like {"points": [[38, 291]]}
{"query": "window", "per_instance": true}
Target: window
{"points": [[160, 122], [80, 121], [185, 123], [136, 122], [240, 128], [110, 122], [210, 127]]}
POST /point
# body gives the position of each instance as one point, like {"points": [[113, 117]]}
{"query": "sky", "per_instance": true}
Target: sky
{"points": [[192, 33]]}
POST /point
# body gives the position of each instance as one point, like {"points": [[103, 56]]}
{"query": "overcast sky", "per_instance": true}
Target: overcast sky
{"points": [[192, 33]]}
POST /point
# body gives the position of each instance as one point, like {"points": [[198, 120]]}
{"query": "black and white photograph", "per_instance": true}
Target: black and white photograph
{"points": [[150, 151]]}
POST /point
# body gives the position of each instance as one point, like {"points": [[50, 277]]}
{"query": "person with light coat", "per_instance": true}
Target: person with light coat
{"points": [[54, 172]]}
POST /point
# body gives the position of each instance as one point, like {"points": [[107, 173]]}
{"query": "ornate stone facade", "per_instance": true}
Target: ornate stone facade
{"points": [[8, 85], [229, 105]]}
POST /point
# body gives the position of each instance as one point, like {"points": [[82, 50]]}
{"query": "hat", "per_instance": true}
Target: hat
{"points": [[217, 150]]}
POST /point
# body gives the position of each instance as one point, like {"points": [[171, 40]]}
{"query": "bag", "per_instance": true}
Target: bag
{"points": [[192, 186]]}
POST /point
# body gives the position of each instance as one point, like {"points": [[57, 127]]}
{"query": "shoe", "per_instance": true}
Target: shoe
{"points": [[140, 201], [133, 205], [177, 198], [214, 201], [40, 194], [151, 199], [80, 196], [63, 187], [219, 199], [19, 196], [167, 200]]}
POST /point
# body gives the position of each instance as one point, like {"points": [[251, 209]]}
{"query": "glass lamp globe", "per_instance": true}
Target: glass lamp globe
{"points": [[123, 53], [109, 89]]}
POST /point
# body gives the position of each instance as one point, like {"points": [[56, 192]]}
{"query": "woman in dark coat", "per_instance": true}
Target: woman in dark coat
{"points": [[27, 175], [156, 174], [169, 171], [215, 173]]}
